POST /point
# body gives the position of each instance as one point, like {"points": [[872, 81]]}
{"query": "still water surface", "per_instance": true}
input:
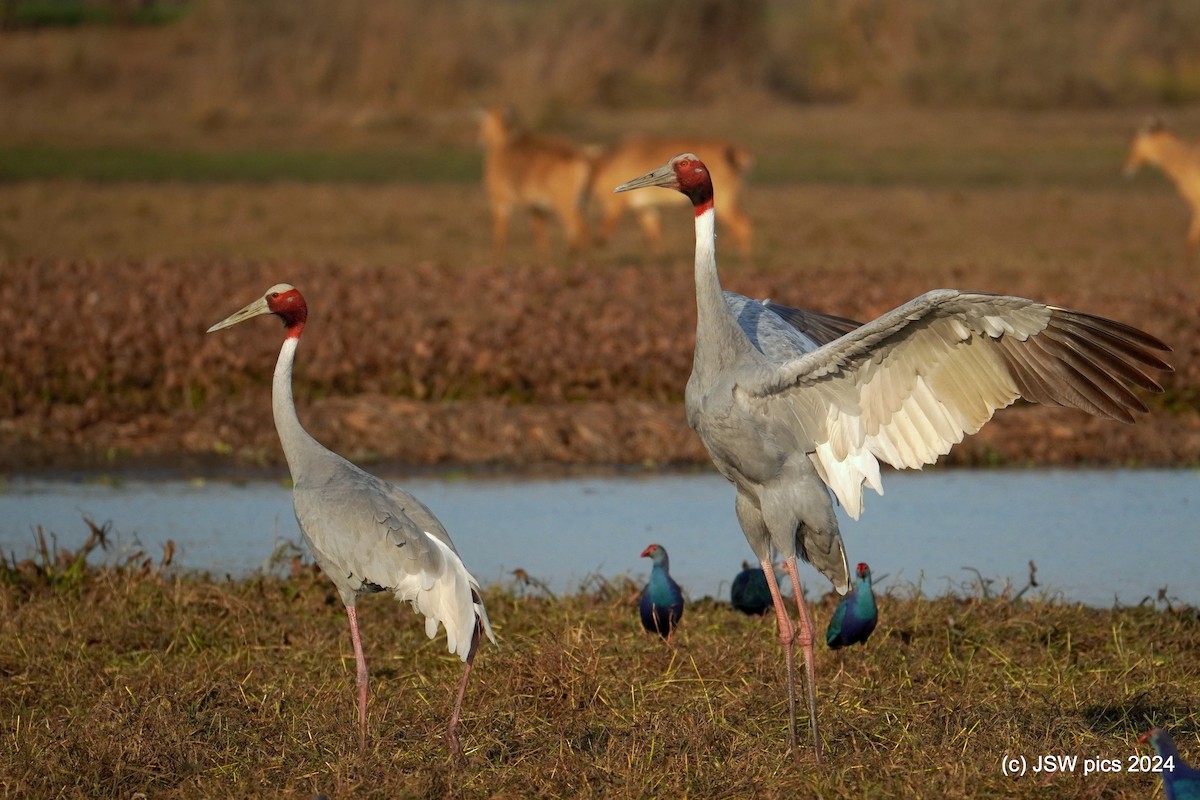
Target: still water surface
{"points": [[1096, 535]]}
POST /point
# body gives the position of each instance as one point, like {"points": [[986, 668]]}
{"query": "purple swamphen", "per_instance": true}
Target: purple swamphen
{"points": [[855, 617], [1180, 781], [662, 599], [750, 592]]}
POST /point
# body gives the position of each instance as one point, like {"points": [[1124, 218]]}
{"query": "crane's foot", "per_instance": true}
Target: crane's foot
{"points": [[455, 747]]}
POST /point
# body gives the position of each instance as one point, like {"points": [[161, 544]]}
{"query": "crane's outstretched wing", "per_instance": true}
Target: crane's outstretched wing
{"points": [[907, 386]]}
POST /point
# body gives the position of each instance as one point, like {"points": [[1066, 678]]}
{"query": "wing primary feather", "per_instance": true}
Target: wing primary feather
{"points": [[1073, 387], [1027, 382], [1105, 359], [1120, 400], [1112, 328], [1047, 369], [1108, 394], [1118, 348]]}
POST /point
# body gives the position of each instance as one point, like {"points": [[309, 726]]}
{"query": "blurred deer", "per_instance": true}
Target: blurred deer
{"points": [[544, 174], [1154, 144], [636, 155]]}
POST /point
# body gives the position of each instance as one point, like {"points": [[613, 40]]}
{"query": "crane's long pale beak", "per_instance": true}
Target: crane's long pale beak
{"points": [[255, 309], [664, 176]]}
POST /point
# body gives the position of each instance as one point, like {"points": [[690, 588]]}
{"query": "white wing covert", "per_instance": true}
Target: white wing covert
{"points": [[440, 587], [366, 535]]}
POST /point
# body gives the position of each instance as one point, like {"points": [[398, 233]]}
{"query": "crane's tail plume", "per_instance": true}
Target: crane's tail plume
{"points": [[453, 602]]}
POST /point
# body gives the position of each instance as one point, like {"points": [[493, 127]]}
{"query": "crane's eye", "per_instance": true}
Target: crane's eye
{"points": [[274, 295]]}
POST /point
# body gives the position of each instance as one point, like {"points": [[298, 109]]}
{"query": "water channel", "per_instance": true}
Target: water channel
{"points": [[1097, 536]]}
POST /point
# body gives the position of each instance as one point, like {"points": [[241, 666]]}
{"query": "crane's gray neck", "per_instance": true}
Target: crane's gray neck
{"points": [[295, 440], [718, 335]]}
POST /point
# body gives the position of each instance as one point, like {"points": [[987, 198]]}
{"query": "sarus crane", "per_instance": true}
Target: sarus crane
{"points": [[788, 420], [367, 534]]}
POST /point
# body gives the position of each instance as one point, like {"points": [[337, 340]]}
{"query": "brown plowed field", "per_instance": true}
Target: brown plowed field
{"points": [[106, 363]]}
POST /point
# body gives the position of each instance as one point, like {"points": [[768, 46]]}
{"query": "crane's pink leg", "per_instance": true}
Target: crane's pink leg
{"points": [[787, 635], [806, 637], [360, 678], [452, 729]]}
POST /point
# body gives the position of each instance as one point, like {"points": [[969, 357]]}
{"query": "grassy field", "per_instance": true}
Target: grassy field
{"points": [[133, 681]]}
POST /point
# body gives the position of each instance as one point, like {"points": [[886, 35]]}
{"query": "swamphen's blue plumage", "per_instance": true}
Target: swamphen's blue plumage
{"points": [[1182, 782], [855, 617], [750, 593], [662, 599]]}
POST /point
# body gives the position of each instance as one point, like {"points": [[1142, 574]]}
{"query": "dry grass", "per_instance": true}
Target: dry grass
{"points": [[126, 681], [393, 65]]}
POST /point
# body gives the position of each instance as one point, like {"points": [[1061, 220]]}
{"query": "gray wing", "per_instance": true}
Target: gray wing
{"points": [[781, 332], [369, 535], [907, 386], [363, 533]]}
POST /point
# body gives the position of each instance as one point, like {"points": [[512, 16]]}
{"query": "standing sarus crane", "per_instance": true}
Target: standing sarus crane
{"points": [[788, 419], [368, 535]]}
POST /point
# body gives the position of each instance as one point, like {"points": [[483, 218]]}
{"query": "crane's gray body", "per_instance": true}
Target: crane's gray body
{"points": [[780, 482], [781, 499], [369, 535], [397, 540]]}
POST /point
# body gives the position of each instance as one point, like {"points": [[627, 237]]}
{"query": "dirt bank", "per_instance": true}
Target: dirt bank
{"points": [[107, 363]]}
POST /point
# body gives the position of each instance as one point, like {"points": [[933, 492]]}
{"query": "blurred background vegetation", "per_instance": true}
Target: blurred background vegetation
{"points": [[217, 63], [147, 145]]}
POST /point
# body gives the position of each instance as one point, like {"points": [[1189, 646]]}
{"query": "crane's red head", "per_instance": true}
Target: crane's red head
{"points": [[288, 304], [283, 300], [684, 173]]}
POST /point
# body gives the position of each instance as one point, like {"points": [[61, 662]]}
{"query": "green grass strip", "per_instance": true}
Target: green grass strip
{"points": [[116, 164], [1077, 167], [1088, 167]]}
